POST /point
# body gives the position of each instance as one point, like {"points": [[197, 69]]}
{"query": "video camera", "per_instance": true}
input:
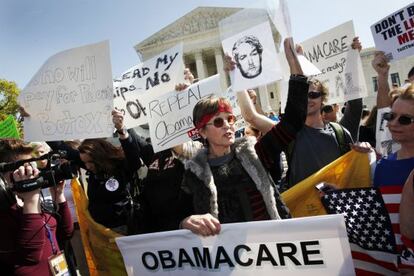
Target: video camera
{"points": [[54, 172]]}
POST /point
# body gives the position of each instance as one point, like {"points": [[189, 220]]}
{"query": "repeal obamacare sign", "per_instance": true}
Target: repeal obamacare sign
{"points": [[315, 246]]}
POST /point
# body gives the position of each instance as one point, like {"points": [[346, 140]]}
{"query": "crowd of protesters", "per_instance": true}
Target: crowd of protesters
{"points": [[200, 185]]}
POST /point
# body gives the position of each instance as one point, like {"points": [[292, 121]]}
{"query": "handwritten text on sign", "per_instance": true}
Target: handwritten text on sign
{"points": [[70, 97], [394, 34], [170, 116], [152, 78], [340, 65]]}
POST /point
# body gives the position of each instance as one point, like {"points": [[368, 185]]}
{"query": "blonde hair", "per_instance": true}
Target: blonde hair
{"points": [[403, 93]]}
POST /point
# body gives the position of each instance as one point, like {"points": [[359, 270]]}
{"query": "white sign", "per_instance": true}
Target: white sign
{"points": [[305, 246], [340, 65], [279, 14], [385, 144], [394, 34], [70, 97], [152, 78], [232, 97], [170, 116], [254, 52]]}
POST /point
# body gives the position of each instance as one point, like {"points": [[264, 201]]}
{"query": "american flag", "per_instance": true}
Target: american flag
{"points": [[370, 231]]}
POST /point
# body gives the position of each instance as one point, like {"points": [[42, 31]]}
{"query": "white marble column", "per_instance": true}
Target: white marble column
{"points": [[201, 73], [220, 68], [264, 98]]}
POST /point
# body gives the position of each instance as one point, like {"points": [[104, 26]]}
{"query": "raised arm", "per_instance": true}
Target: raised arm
{"points": [[135, 148], [381, 66]]}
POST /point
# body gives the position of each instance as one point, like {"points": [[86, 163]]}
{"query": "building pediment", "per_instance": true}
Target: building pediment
{"points": [[199, 20]]}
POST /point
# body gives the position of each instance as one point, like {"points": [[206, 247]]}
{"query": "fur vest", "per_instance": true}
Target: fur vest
{"points": [[198, 170]]}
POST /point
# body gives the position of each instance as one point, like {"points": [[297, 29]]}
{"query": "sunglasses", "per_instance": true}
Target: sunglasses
{"points": [[314, 95], [327, 109], [403, 119], [219, 122]]}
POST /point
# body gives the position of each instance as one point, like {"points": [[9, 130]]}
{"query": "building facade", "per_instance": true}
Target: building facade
{"points": [[398, 74]]}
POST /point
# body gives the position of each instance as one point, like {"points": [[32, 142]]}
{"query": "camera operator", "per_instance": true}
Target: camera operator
{"points": [[28, 242]]}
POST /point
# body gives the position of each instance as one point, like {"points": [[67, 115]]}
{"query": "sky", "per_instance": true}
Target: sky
{"points": [[33, 30]]}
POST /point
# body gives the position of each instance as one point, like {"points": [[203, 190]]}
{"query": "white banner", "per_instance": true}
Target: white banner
{"points": [[254, 52], [154, 77], [340, 65], [304, 246], [170, 116], [70, 97], [394, 34]]}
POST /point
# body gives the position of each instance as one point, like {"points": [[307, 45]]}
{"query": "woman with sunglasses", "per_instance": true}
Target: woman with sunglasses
{"points": [[394, 169], [227, 181]]}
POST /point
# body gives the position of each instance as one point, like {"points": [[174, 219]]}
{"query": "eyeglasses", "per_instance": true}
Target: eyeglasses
{"points": [[219, 122], [314, 95], [403, 119]]}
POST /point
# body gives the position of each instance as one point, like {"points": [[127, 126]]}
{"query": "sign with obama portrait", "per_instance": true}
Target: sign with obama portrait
{"points": [[254, 52], [311, 246], [394, 34]]}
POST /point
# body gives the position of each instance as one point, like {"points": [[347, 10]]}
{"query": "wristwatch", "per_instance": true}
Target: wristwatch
{"points": [[121, 131]]}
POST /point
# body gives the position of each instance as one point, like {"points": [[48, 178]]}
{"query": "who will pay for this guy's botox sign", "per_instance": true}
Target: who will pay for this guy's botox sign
{"points": [[254, 52], [70, 97], [394, 34], [340, 65], [154, 77], [170, 116], [305, 246]]}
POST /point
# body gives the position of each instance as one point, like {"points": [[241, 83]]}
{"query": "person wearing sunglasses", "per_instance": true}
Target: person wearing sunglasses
{"points": [[226, 180], [392, 171], [400, 122], [308, 142]]}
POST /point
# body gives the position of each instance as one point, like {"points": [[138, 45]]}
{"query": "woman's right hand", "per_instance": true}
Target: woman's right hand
{"points": [[204, 225]]}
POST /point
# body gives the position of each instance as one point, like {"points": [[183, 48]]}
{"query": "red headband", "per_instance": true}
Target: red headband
{"points": [[223, 107]]}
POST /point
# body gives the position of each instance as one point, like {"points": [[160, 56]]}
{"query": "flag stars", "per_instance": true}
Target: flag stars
{"points": [[357, 206]]}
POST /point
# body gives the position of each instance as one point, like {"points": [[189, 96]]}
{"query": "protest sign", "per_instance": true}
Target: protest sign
{"points": [[279, 14], [8, 128], [394, 34], [170, 115], [254, 52], [311, 246], [340, 65], [70, 97], [385, 144], [151, 78]]}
